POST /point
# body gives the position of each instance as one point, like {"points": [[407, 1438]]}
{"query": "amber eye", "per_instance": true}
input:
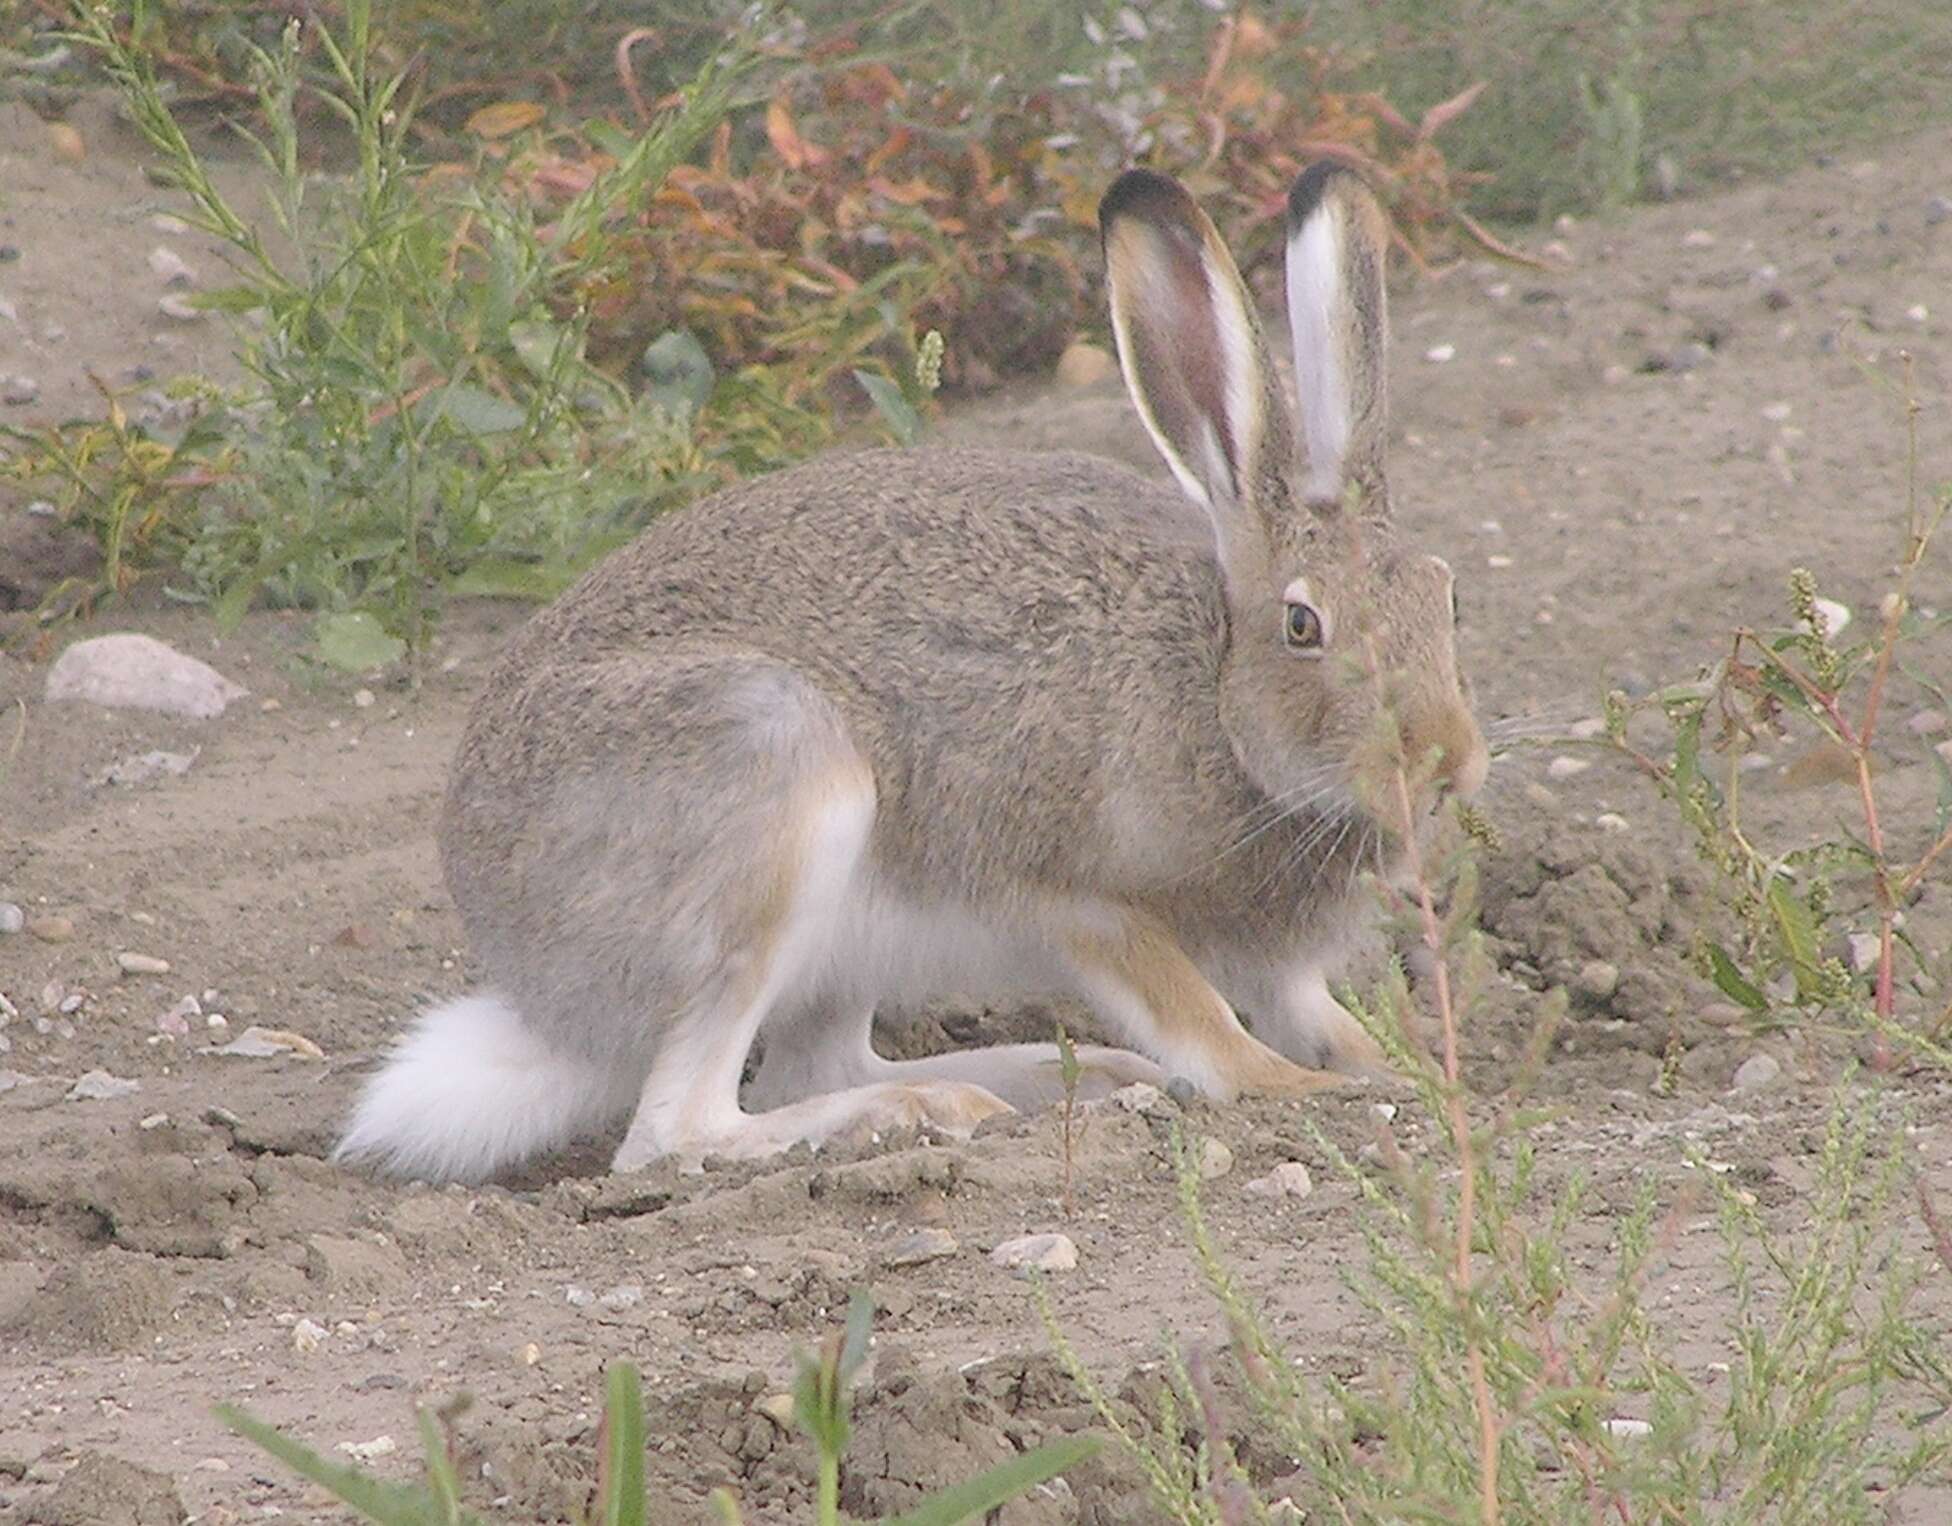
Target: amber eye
{"points": [[1304, 628]]}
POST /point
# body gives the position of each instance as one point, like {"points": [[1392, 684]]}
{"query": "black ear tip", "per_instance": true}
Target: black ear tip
{"points": [[1142, 193], [1312, 186]]}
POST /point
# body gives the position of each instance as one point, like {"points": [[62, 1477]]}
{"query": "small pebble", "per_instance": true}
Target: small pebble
{"points": [[12, 918], [1565, 766], [363, 698], [368, 1451], [1498, 563], [778, 1408], [1042, 1253], [19, 391], [1864, 948], [1289, 1179], [1612, 821], [1139, 1097], [182, 309], [1689, 356], [66, 142], [52, 929], [1776, 413], [169, 267], [1437, 354], [626, 1295], [1589, 728], [100, 1086], [1918, 312], [1628, 1429], [142, 964], [1756, 1072], [1216, 1160], [1697, 238], [1925, 723], [9, 253], [163, 222], [919, 1247], [1598, 979], [1182, 1090], [153, 1122], [528, 1353]]}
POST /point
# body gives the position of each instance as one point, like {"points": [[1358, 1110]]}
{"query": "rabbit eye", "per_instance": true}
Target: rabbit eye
{"points": [[1304, 630]]}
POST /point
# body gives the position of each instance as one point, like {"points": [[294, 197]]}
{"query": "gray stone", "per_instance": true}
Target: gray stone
{"points": [[918, 1247], [1041, 1253], [1756, 1072]]}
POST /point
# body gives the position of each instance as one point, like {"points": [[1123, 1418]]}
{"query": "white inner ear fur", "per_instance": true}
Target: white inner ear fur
{"points": [[1315, 323], [1208, 475]]}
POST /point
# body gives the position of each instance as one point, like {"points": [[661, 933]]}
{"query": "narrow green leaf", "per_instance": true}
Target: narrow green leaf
{"points": [[356, 641], [441, 1482], [1798, 931], [1943, 768], [860, 1330], [498, 577], [895, 410], [974, 1498], [623, 1471], [1730, 981], [375, 1499]]}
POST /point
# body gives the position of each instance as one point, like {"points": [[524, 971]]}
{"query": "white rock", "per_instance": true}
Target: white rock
{"points": [[1216, 1160], [1289, 1179], [625, 1295], [363, 698], [182, 309], [256, 1043], [1139, 1097], [1756, 1072], [132, 672], [1864, 950], [367, 1451], [1042, 1253], [1498, 563], [1918, 312], [100, 1086], [1627, 1429], [9, 1079], [1589, 728], [1612, 821], [170, 267], [1566, 767], [1697, 238], [12, 918], [144, 767], [142, 964], [1437, 354]]}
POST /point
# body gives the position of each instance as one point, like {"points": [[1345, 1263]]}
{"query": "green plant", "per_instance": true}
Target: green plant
{"points": [[821, 1403], [1794, 904], [418, 420]]}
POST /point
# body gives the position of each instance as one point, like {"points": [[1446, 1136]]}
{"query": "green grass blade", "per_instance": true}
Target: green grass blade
{"points": [[975, 1497], [375, 1499], [441, 1480], [623, 1460]]}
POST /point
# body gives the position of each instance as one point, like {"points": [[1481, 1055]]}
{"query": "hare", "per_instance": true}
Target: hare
{"points": [[897, 724]]}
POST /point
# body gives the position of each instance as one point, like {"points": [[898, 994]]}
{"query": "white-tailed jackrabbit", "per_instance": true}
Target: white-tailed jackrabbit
{"points": [[899, 724]]}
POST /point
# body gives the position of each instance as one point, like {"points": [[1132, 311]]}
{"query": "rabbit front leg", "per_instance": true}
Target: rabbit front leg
{"points": [[1132, 969]]}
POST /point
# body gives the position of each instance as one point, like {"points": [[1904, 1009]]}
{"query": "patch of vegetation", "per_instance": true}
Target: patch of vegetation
{"points": [[822, 1398]]}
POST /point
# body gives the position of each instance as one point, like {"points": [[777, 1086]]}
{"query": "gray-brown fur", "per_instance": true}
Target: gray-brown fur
{"points": [[1063, 691]]}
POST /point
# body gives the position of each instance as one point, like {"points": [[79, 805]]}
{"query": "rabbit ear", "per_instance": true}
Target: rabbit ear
{"points": [[1188, 344], [1338, 318]]}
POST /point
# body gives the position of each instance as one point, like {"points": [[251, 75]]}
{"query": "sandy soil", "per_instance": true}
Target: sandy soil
{"points": [[1622, 459]]}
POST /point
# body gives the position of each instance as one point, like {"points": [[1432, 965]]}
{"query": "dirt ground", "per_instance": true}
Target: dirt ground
{"points": [[1622, 458]]}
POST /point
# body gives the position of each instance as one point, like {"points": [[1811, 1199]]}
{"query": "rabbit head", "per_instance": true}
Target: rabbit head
{"points": [[1340, 666]]}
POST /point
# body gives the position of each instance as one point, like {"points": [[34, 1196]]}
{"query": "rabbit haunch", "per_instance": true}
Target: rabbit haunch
{"points": [[900, 725]]}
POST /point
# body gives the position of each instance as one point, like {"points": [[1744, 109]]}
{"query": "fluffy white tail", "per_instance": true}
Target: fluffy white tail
{"points": [[470, 1090]]}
